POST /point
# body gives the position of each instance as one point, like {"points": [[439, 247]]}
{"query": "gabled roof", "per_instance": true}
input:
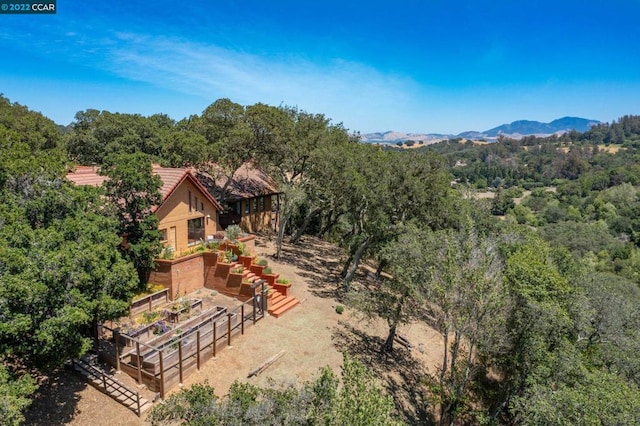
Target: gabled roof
{"points": [[171, 178], [248, 182]]}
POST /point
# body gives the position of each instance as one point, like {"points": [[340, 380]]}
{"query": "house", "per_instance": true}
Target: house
{"points": [[251, 199], [188, 213]]}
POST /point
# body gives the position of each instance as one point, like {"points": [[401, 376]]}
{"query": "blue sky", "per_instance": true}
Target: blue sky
{"points": [[415, 66]]}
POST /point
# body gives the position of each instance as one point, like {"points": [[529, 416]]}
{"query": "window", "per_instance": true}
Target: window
{"points": [[195, 231], [163, 235], [189, 201], [238, 207], [261, 204], [201, 206], [255, 205], [247, 207]]}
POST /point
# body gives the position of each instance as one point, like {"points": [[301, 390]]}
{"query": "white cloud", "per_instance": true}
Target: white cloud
{"points": [[339, 88]]}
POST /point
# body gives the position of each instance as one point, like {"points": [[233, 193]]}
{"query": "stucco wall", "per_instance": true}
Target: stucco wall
{"points": [[174, 213]]}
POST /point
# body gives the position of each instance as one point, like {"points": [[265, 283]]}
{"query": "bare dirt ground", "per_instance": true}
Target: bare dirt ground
{"points": [[312, 335]]}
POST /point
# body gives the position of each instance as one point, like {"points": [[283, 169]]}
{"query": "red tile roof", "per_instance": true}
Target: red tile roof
{"points": [[86, 175], [171, 178]]}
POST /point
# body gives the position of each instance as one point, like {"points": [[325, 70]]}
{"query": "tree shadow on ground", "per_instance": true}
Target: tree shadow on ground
{"points": [[318, 262], [55, 401], [401, 373]]}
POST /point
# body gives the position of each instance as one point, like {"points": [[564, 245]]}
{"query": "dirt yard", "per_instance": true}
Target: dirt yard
{"points": [[312, 335]]}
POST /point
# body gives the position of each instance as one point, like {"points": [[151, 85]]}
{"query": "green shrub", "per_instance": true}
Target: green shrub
{"points": [[226, 256], [262, 262], [233, 232], [242, 249], [267, 271], [167, 253], [339, 309], [282, 281]]}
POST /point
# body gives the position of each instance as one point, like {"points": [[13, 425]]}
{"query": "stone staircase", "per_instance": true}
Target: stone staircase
{"points": [[105, 383]]}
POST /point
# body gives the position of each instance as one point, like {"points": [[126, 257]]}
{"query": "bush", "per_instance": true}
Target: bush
{"points": [[339, 309], [167, 253], [282, 281], [242, 249], [262, 262], [226, 257], [267, 271], [361, 400], [233, 232]]}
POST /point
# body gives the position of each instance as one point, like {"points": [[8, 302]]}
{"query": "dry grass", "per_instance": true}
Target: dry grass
{"points": [[312, 335]]}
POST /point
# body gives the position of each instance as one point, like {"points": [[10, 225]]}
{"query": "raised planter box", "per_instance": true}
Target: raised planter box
{"points": [[282, 288], [246, 261], [235, 279], [257, 269], [174, 315], [270, 278], [223, 269]]}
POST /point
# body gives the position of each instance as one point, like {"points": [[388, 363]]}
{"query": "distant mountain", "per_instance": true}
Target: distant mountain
{"points": [[516, 130], [526, 127], [391, 137]]}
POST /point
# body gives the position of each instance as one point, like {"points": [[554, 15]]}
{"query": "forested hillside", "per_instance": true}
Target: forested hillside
{"points": [[538, 312]]}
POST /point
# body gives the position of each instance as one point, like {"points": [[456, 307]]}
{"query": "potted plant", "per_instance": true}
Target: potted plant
{"points": [[235, 277], [244, 256], [269, 275], [282, 285], [258, 265], [231, 238], [224, 264], [225, 256], [232, 233]]}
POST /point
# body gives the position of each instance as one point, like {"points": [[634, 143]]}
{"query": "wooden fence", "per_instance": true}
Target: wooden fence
{"points": [[149, 302], [168, 359], [103, 382]]}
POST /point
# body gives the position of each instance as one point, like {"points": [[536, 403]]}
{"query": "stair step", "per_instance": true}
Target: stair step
{"points": [[273, 300], [279, 302], [280, 310]]}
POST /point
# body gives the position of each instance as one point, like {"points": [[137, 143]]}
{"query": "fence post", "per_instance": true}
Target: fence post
{"points": [[229, 329], [150, 303], [138, 399], [161, 375], [215, 338], [242, 319], [263, 300], [139, 363], [116, 344], [104, 383], [255, 301], [180, 357], [198, 349]]}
